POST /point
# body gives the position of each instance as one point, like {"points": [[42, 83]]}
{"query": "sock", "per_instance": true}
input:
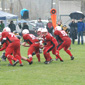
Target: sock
{"points": [[38, 57], [68, 52], [59, 57], [11, 57], [56, 57], [10, 61], [30, 59], [19, 58], [47, 57]]}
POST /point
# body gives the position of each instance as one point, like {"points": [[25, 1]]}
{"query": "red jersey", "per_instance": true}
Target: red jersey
{"points": [[10, 37], [62, 35], [30, 38], [49, 40]]}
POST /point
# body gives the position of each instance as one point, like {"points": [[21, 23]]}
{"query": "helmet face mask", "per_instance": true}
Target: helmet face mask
{"points": [[39, 33], [44, 32]]}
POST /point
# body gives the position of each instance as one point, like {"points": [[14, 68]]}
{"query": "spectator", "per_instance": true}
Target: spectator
{"points": [[19, 28], [73, 31], [60, 23], [25, 26], [49, 26], [39, 24], [80, 29], [1, 26], [12, 26]]}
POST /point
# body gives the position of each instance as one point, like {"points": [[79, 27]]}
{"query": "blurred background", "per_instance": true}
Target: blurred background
{"points": [[41, 8]]}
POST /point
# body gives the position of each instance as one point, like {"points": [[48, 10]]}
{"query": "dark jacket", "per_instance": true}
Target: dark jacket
{"points": [[25, 27], [73, 30], [12, 27]]}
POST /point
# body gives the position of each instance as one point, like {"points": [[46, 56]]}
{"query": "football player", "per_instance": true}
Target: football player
{"points": [[64, 40], [51, 45], [13, 46], [33, 43]]}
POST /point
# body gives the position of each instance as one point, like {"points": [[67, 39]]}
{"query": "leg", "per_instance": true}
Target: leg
{"points": [[78, 38], [82, 38], [69, 53]]}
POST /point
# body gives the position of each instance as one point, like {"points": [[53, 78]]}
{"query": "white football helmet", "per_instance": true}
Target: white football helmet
{"points": [[7, 29], [44, 30], [39, 29], [25, 31], [58, 28]]}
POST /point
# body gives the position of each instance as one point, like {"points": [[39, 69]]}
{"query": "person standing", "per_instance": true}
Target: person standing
{"points": [[25, 26], [19, 28], [73, 31], [80, 29], [39, 24], [1, 26], [12, 26], [49, 26]]}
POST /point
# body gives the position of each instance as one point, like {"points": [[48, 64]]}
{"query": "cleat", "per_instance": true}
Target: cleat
{"points": [[56, 59], [61, 60], [10, 64], [3, 57], [30, 62], [47, 62], [15, 62], [33, 53], [72, 58], [51, 60], [21, 64]]}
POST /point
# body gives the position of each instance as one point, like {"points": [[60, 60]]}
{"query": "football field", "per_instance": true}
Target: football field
{"points": [[69, 72]]}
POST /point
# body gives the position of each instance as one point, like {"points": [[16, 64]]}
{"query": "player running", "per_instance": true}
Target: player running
{"points": [[33, 43], [12, 48], [50, 45], [64, 41]]}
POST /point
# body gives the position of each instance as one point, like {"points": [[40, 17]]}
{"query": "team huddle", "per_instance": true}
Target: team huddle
{"points": [[45, 41]]}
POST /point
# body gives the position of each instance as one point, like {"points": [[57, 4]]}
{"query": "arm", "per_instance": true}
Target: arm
{"points": [[24, 44], [4, 47]]}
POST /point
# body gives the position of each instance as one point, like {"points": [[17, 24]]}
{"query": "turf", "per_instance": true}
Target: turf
{"points": [[56, 73]]}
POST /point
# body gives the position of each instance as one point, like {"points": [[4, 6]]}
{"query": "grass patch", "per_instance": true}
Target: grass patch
{"points": [[56, 73]]}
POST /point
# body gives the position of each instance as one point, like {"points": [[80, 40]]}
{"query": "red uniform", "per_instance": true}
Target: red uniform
{"points": [[63, 38], [65, 41], [13, 46], [34, 45], [51, 45]]}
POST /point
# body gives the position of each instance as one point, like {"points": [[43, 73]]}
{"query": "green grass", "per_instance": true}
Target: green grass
{"points": [[56, 73]]}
